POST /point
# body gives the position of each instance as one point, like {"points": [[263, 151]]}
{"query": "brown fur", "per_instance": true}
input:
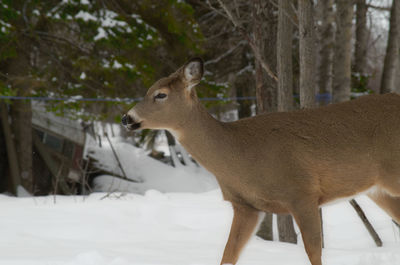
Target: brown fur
{"points": [[287, 162]]}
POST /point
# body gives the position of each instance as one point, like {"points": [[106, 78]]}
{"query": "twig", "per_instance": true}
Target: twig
{"points": [[222, 56], [366, 222], [296, 24], [380, 8], [215, 10], [236, 8], [116, 196], [65, 40]]}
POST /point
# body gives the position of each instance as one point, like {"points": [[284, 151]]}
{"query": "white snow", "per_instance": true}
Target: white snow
{"points": [[85, 16], [169, 229], [151, 173], [117, 65], [101, 34], [107, 19]]}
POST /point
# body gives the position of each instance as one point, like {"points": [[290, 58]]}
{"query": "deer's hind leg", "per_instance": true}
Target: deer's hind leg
{"points": [[389, 203]]}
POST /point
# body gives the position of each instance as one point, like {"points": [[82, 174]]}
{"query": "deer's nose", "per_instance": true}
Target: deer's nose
{"points": [[126, 119]]}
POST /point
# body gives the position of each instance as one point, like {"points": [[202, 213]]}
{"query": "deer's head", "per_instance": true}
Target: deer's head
{"points": [[168, 103]]}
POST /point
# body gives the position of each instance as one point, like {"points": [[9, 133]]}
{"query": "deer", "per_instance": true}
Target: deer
{"points": [[283, 162]]}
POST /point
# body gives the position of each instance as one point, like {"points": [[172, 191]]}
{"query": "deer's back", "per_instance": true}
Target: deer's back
{"points": [[337, 150]]}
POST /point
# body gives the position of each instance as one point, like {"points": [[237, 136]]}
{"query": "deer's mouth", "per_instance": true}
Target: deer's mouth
{"points": [[133, 126]]}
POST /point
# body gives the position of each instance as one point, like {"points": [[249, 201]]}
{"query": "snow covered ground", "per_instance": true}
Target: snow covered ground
{"points": [[169, 229]]}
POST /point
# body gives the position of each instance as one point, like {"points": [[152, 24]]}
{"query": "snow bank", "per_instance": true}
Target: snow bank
{"points": [[151, 173], [169, 229]]}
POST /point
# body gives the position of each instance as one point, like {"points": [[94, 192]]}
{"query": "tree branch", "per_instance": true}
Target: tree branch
{"points": [[242, 30], [51, 36], [293, 20], [380, 8], [228, 52]]}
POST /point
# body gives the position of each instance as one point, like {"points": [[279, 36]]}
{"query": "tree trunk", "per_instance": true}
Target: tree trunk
{"points": [[285, 94], [265, 230], [286, 229], [4, 185], [284, 57], [326, 41], [307, 53], [243, 87], [360, 56], [307, 32], [392, 51], [397, 85], [243, 90], [342, 57], [264, 32], [11, 150], [21, 113], [20, 80]]}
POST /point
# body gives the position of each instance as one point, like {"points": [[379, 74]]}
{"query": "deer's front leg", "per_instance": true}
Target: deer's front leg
{"points": [[245, 220], [309, 222]]}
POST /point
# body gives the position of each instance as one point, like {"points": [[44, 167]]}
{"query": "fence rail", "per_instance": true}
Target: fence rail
{"points": [[319, 97]]}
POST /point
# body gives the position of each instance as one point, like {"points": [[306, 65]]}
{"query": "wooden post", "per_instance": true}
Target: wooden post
{"points": [[11, 151], [367, 224]]}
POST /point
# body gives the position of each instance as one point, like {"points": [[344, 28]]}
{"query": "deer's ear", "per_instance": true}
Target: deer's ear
{"points": [[193, 72]]}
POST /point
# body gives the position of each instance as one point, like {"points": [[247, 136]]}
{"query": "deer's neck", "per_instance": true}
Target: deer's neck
{"points": [[203, 137]]}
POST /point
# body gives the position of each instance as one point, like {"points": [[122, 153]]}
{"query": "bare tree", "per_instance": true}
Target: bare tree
{"points": [[285, 94], [284, 57], [360, 58], [264, 34], [326, 41], [392, 51], [342, 51], [307, 53]]}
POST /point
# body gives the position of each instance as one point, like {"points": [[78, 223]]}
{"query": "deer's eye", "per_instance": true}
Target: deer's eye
{"points": [[160, 96]]}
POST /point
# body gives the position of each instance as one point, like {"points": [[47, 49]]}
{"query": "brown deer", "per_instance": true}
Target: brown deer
{"points": [[285, 162]]}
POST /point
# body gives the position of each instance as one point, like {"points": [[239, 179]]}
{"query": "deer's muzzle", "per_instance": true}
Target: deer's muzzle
{"points": [[130, 123]]}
